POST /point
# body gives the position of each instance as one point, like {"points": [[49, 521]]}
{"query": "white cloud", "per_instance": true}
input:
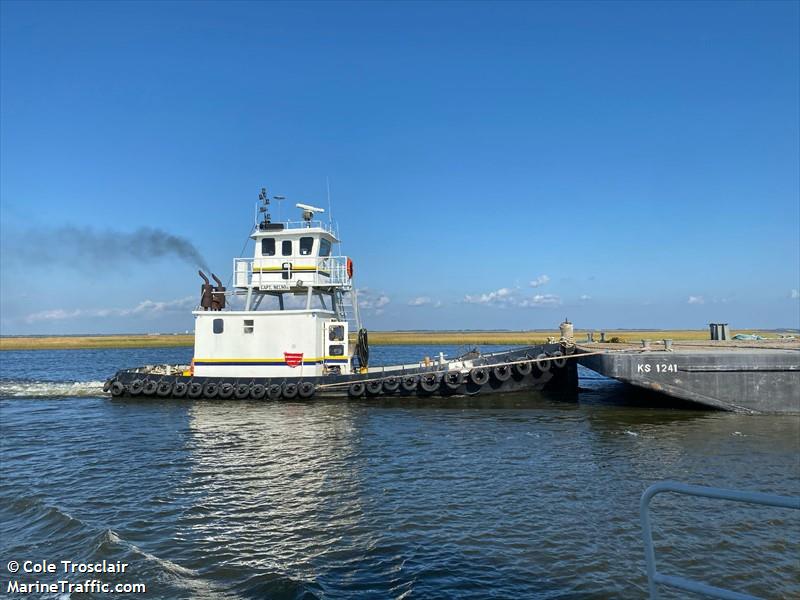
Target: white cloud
{"points": [[794, 294], [585, 298], [372, 301], [540, 300], [540, 280], [696, 300], [512, 298], [146, 308], [501, 296], [425, 301]]}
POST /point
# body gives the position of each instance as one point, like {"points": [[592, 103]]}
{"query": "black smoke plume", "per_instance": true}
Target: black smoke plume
{"points": [[72, 246]]}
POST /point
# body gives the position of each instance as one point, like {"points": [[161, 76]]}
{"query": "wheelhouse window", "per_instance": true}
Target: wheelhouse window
{"points": [[286, 247], [306, 245], [336, 333], [324, 247], [249, 325], [268, 247], [219, 325]]}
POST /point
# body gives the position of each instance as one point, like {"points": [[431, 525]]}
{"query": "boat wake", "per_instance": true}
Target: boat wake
{"points": [[51, 389]]}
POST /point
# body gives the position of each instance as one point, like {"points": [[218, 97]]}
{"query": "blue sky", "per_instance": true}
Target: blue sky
{"points": [[491, 165]]}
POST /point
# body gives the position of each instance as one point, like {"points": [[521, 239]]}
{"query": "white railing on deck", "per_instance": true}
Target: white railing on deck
{"points": [[301, 225], [331, 271], [654, 577]]}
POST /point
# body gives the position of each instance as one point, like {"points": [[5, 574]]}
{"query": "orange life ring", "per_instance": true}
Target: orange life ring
{"points": [[349, 268]]}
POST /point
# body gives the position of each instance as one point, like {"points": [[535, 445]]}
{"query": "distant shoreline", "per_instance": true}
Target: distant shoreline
{"points": [[391, 338]]}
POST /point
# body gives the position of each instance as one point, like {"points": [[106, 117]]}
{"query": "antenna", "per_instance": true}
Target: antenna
{"points": [[279, 199], [330, 210], [265, 208]]}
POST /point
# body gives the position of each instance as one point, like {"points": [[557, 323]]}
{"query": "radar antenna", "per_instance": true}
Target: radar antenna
{"points": [[308, 211]]}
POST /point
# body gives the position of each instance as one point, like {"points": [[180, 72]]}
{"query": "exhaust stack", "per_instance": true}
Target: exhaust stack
{"points": [[205, 292], [218, 296]]}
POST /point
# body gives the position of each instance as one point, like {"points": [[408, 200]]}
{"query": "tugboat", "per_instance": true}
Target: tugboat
{"points": [[292, 338]]}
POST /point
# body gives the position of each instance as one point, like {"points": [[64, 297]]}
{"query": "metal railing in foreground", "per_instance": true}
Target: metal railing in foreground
{"points": [[654, 577]]}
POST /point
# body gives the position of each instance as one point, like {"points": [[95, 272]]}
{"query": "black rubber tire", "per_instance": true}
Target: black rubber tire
{"points": [[241, 391], [179, 389], [501, 372], [559, 363], [210, 389], [356, 389], [164, 389], [429, 382], [225, 390], [569, 349], [194, 389], [117, 388], [523, 369], [306, 389], [409, 383], [289, 390], [274, 391], [149, 388], [374, 387], [257, 391], [452, 380], [479, 375], [391, 385], [544, 366], [135, 387]]}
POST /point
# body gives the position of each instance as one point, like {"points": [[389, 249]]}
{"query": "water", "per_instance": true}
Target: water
{"points": [[515, 496]]}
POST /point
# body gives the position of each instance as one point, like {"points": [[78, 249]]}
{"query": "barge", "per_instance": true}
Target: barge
{"points": [[745, 377], [291, 338]]}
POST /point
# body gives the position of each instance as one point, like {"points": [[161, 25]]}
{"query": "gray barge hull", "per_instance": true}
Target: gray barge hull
{"points": [[727, 377]]}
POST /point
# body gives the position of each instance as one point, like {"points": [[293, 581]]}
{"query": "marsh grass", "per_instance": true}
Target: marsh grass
{"points": [[390, 338]]}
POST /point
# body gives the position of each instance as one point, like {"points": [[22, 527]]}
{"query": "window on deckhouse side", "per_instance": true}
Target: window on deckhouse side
{"points": [[268, 247], [306, 245]]}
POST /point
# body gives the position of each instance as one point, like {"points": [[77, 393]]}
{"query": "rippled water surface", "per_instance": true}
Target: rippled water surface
{"points": [[514, 496]]}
